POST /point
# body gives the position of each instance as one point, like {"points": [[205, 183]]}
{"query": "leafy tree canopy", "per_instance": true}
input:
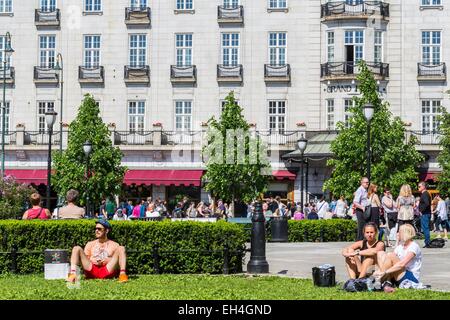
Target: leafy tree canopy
{"points": [[393, 161]]}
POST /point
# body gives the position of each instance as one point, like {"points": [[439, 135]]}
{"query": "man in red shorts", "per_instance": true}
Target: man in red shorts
{"points": [[101, 258]]}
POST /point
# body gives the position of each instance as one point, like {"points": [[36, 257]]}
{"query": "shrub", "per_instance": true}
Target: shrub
{"points": [[322, 230], [13, 198], [193, 240]]}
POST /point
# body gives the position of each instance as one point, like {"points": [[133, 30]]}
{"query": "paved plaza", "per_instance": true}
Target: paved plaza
{"points": [[297, 260]]}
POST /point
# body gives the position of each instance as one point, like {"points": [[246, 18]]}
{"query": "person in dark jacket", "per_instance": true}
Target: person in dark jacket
{"points": [[425, 210]]}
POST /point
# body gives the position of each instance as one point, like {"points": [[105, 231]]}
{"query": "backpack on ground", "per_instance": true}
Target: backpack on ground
{"points": [[437, 243], [355, 285]]}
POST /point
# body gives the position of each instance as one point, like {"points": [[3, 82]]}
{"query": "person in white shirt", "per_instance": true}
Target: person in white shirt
{"points": [[322, 208], [120, 216], [404, 263], [341, 208], [442, 217]]}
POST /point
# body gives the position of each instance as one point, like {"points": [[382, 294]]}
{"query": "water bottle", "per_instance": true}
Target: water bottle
{"points": [[370, 284]]}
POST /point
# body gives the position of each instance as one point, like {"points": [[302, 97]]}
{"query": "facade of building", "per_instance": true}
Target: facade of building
{"points": [[160, 69]]}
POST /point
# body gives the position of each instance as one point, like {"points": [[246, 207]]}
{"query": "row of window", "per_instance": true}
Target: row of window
{"points": [[137, 109], [423, 2], [6, 6], [277, 116], [431, 110], [354, 46], [230, 49]]}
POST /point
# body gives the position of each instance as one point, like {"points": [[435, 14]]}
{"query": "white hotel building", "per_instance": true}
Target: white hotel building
{"points": [[291, 64]]}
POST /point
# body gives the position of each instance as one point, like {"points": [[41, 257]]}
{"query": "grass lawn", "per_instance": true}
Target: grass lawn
{"points": [[192, 287]]}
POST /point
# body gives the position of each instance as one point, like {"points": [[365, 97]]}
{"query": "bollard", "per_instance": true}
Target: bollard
{"points": [[258, 262], [279, 229]]}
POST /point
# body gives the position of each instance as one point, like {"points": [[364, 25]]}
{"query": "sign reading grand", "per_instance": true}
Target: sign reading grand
{"points": [[349, 88]]}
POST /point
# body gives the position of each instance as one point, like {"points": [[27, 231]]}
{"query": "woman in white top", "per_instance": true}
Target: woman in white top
{"points": [[341, 208], [404, 263]]}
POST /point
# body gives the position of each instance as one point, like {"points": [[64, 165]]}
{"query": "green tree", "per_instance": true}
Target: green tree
{"points": [[106, 172], [444, 155], [393, 162], [237, 167]]}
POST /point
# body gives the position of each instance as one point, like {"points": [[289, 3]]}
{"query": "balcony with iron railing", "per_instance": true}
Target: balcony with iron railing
{"points": [[91, 74], [45, 75], [349, 70], [230, 14], [44, 18], [137, 16], [339, 10], [277, 73], [7, 75], [137, 74], [183, 74], [227, 73], [431, 72]]}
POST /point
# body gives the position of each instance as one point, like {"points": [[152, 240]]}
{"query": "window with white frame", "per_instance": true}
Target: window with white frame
{"points": [[2, 52], [139, 4], [47, 53], [431, 111], [277, 115], [43, 107], [352, 2], [93, 6], [136, 116], [348, 103], [277, 48], [138, 50], [230, 49], [6, 6], [330, 114], [183, 115], [48, 5], [378, 46], [183, 49], [354, 45], [431, 47], [431, 2], [185, 4], [330, 46], [91, 51], [277, 4], [230, 3], [7, 111]]}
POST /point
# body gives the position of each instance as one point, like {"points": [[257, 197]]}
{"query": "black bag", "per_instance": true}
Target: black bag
{"points": [[367, 213], [355, 285], [437, 243], [324, 277]]}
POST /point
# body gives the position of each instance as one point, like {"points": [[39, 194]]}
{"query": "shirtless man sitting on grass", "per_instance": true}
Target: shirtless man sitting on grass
{"points": [[101, 258]]}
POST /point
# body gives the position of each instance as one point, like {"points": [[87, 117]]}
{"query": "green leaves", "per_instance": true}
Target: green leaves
{"points": [[104, 162], [235, 165], [444, 155], [393, 160]]}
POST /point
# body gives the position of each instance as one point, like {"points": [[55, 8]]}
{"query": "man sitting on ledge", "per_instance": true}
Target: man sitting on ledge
{"points": [[101, 258]]}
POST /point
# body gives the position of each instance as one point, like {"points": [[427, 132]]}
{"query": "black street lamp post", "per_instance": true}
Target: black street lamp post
{"points": [[258, 262], [7, 53], [368, 114], [50, 118], [302, 143], [87, 148], [59, 68]]}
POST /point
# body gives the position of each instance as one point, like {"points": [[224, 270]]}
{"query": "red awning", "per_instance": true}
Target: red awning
{"points": [[164, 177], [425, 176], [284, 174], [36, 176]]}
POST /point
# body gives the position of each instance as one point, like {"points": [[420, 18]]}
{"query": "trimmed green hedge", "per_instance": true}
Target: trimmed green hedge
{"points": [[190, 238], [331, 230]]}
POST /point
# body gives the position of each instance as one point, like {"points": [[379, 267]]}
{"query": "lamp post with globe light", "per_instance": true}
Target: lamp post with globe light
{"points": [[87, 148], [302, 143], [50, 118], [368, 114]]}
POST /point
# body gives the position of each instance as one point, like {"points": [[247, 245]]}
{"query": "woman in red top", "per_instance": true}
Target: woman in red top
{"points": [[36, 212]]}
